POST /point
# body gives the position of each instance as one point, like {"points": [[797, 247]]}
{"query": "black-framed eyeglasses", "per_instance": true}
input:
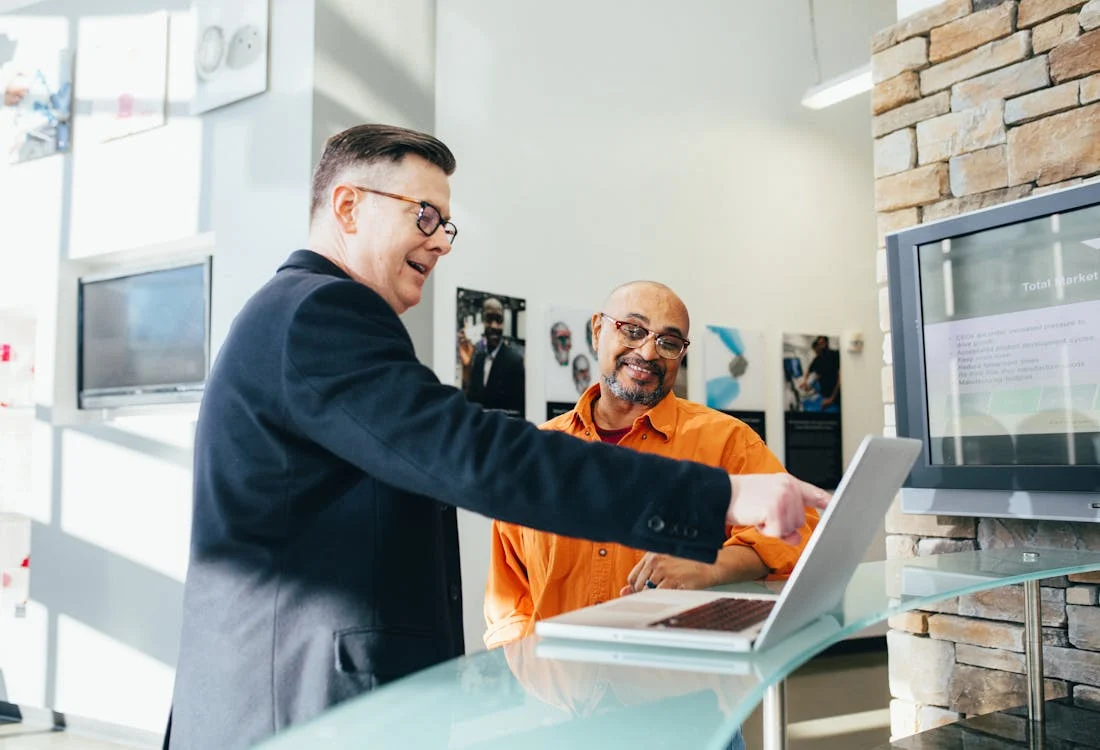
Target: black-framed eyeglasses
{"points": [[428, 220], [634, 336]]}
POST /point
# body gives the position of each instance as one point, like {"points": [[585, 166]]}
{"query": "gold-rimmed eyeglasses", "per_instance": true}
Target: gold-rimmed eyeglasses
{"points": [[428, 220]]}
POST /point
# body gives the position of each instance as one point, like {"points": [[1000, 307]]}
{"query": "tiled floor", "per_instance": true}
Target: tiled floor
{"points": [[21, 737], [834, 703]]}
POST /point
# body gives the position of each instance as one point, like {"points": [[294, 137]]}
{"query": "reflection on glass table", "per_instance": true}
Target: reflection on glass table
{"points": [[541, 693]]}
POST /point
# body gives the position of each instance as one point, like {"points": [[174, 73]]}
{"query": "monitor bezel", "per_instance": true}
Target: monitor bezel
{"points": [[906, 324], [182, 392]]}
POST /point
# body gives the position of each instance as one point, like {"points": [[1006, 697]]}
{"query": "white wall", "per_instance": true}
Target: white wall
{"points": [[111, 503], [375, 62], [597, 145], [909, 7]]}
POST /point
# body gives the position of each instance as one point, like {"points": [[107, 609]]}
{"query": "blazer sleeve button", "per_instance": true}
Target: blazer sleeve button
{"points": [[656, 524]]}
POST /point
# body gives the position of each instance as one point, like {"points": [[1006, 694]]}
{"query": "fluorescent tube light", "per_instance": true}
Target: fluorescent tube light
{"points": [[838, 89]]}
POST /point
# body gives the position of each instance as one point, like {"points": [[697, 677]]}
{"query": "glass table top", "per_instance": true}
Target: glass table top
{"points": [[553, 693]]}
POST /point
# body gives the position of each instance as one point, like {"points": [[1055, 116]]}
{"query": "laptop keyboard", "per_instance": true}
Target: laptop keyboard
{"points": [[731, 615]]}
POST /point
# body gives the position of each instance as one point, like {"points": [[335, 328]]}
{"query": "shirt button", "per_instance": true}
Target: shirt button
{"points": [[656, 524], [588, 433], [603, 552], [644, 437], [454, 592]]}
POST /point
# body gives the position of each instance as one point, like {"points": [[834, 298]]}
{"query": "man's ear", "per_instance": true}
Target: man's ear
{"points": [[597, 326], [344, 201]]}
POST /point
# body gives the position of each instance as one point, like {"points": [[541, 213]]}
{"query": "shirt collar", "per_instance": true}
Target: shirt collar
{"points": [[313, 262], [662, 417]]}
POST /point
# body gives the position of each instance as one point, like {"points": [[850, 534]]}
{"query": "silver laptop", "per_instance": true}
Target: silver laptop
{"points": [[724, 621], [758, 663]]}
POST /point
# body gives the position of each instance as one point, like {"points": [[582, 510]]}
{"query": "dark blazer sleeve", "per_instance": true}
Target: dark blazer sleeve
{"points": [[355, 387], [515, 386]]}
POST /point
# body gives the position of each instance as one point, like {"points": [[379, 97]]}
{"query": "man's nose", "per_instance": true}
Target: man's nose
{"points": [[442, 243], [648, 349]]}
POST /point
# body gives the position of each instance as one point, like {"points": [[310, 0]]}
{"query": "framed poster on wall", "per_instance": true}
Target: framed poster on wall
{"points": [[735, 377], [811, 408], [490, 343]]}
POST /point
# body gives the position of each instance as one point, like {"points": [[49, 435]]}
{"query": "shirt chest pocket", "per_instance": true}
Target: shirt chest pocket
{"points": [[549, 557]]}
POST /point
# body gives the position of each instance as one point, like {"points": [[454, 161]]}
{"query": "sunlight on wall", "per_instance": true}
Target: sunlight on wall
{"points": [[30, 192], [347, 87], [131, 497], [23, 654], [140, 189], [386, 29], [31, 230], [40, 504], [114, 496], [100, 677]]}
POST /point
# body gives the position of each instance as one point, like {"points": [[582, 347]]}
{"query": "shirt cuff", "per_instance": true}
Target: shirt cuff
{"points": [[507, 630]]}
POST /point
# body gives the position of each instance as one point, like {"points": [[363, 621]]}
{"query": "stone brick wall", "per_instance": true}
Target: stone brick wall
{"points": [[978, 102]]}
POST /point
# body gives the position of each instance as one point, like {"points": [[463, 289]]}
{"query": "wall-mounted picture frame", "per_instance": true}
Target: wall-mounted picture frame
{"points": [[231, 44], [123, 73], [35, 97]]}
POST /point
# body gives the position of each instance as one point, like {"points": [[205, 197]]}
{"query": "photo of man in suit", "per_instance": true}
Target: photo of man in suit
{"points": [[492, 370]]}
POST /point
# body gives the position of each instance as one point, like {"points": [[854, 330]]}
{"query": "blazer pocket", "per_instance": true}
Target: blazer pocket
{"points": [[386, 654]]}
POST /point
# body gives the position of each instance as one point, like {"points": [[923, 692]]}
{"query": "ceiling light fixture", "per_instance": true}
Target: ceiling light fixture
{"points": [[845, 86], [826, 93]]}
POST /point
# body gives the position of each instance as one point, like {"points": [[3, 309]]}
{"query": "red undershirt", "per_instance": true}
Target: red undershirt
{"points": [[612, 436]]}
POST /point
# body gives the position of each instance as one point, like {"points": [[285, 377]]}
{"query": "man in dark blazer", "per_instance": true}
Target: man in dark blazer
{"points": [[503, 386], [328, 461]]}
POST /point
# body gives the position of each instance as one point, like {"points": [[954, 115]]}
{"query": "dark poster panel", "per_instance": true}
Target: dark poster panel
{"points": [[813, 447], [754, 419], [489, 362], [557, 408]]}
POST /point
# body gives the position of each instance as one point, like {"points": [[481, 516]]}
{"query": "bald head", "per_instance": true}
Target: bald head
{"points": [[648, 294]]}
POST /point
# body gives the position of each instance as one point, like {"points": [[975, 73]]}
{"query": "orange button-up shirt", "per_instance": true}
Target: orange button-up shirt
{"points": [[534, 575]]}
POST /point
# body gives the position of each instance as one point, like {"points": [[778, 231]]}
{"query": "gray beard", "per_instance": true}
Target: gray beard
{"points": [[635, 395]]}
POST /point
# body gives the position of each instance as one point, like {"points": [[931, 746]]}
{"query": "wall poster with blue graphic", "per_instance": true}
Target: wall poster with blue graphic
{"points": [[811, 408], [735, 374]]}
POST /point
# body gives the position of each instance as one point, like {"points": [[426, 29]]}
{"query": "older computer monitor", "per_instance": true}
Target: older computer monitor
{"points": [[996, 342], [144, 336]]}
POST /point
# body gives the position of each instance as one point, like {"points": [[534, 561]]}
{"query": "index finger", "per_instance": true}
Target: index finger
{"points": [[813, 496]]}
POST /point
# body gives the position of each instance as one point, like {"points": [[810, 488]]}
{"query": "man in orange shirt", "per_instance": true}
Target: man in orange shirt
{"points": [[640, 338]]}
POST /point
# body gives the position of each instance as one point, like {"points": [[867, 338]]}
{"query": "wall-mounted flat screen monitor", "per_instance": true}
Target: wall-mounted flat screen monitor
{"points": [[996, 341], [143, 336]]}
